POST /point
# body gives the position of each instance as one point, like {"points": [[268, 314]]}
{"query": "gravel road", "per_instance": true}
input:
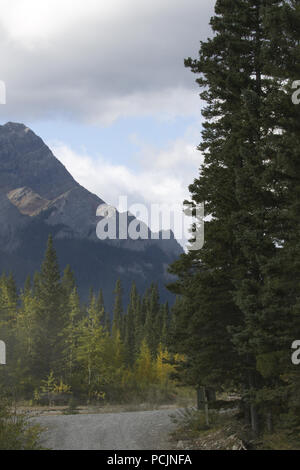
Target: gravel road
{"points": [[142, 430]]}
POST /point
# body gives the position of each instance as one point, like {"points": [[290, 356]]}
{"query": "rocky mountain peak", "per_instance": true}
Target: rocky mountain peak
{"points": [[38, 196], [26, 161]]}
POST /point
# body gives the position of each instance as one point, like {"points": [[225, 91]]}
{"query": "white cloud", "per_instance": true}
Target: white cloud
{"points": [[33, 22], [99, 60], [161, 176]]}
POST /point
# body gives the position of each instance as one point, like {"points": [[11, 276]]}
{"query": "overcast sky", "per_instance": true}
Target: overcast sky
{"points": [[103, 83]]}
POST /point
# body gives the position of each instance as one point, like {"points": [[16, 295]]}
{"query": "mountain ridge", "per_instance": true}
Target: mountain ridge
{"points": [[38, 196]]}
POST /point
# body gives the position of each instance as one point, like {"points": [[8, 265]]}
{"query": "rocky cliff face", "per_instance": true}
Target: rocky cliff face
{"points": [[38, 196], [25, 161], [34, 181]]}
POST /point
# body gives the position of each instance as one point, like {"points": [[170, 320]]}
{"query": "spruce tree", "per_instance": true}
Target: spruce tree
{"points": [[26, 325], [101, 309], [165, 324], [50, 318], [277, 323], [9, 301], [70, 335], [68, 281], [130, 326], [118, 309], [152, 331], [90, 350], [225, 283]]}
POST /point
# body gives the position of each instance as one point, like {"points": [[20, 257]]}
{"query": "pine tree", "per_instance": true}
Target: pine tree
{"points": [[152, 331], [139, 323], [68, 281], [68, 285], [101, 309], [50, 318], [165, 324], [130, 325], [8, 299], [70, 334], [91, 350], [26, 319], [277, 323], [118, 309], [8, 328], [224, 283]]}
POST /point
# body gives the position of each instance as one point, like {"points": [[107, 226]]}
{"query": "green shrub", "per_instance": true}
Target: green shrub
{"points": [[16, 433]]}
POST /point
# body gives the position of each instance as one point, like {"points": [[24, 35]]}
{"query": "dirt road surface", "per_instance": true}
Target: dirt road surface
{"points": [[142, 430]]}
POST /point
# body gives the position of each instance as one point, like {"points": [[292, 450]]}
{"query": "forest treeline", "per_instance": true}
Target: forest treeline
{"points": [[240, 302], [59, 348], [238, 305]]}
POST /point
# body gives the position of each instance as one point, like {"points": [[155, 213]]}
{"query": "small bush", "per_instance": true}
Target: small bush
{"points": [[16, 433]]}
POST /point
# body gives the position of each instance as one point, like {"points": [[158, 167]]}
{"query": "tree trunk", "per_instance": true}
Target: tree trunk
{"points": [[200, 398], [246, 411], [270, 422], [211, 395], [205, 406], [253, 407], [254, 418]]}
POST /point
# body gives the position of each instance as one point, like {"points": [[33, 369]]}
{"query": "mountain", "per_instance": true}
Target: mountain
{"points": [[38, 196]]}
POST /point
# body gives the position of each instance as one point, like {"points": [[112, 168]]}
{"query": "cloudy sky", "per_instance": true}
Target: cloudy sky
{"points": [[103, 83]]}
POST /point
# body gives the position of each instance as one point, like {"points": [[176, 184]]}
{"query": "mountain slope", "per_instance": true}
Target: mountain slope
{"points": [[38, 196]]}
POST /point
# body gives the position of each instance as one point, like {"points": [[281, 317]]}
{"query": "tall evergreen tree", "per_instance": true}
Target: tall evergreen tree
{"points": [[152, 331], [8, 323], [68, 281], [241, 184], [70, 334], [101, 309], [118, 308], [130, 325], [51, 319], [90, 350]]}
